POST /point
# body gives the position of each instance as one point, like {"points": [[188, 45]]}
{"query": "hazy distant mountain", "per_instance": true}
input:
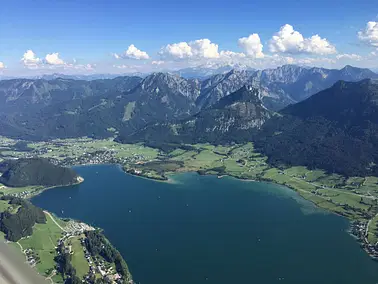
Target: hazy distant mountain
{"points": [[230, 119], [281, 86], [207, 70], [76, 77], [336, 130], [26, 95]]}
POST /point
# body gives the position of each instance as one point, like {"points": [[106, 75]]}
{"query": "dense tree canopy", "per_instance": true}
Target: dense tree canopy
{"points": [[19, 225], [35, 171]]}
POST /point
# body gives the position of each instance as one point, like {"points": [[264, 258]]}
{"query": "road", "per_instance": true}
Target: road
{"points": [[52, 218]]}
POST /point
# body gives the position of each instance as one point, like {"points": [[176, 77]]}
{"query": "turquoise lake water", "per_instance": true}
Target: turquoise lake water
{"points": [[205, 230]]}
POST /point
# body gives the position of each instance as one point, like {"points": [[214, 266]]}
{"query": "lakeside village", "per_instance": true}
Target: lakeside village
{"points": [[83, 151], [360, 231], [97, 266]]}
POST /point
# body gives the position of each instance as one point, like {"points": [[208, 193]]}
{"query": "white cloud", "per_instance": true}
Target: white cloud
{"points": [[201, 48], [369, 34], [231, 55], [177, 50], [133, 52], [318, 45], [2, 66], [157, 62], [30, 59], [204, 48], [288, 40], [351, 56], [53, 59], [252, 46], [81, 67]]}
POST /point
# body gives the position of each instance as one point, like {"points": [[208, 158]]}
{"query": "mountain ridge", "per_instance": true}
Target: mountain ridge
{"points": [[339, 135], [42, 109], [231, 116]]}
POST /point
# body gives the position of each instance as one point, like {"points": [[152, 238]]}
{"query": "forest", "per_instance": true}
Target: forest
{"points": [[98, 245], [19, 225], [35, 171]]}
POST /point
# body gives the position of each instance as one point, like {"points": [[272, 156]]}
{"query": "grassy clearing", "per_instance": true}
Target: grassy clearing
{"points": [[373, 230], [4, 205], [314, 175], [129, 108], [300, 184], [15, 190], [296, 171], [332, 180], [185, 156], [78, 258], [43, 242], [205, 159]]}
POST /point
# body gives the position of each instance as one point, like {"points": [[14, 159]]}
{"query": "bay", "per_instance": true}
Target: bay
{"points": [[202, 229]]}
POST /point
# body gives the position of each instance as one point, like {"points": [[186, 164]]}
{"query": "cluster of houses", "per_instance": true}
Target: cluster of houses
{"points": [[360, 231], [31, 257], [77, 228], [106, 271], [96, 266], [22, 194]]}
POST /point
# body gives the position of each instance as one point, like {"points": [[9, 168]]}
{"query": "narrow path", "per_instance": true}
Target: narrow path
{"points": [[22, 249], [52, 218], [53, 273]]}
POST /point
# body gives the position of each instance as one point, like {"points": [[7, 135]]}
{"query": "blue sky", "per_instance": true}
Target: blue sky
{"points": [[89, 36]]}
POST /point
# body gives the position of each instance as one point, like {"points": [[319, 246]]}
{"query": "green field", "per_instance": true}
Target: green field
{"points": [[373, 230], [4, 205], [15, 190], [78, 258], [43, 241]]}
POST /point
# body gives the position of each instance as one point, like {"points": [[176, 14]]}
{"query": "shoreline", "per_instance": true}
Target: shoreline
{"points": [[364, 245], [39, 191]]}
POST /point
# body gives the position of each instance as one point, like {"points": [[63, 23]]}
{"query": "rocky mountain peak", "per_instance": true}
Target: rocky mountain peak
{"points": [[243, 95], [172, 83]]}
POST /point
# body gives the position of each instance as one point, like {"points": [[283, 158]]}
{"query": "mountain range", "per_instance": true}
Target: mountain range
{"points": [[237, 104]]}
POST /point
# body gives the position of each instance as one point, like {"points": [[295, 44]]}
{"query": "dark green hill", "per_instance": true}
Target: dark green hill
{"points": [[335, 130], [35, 171], [20, 224]]}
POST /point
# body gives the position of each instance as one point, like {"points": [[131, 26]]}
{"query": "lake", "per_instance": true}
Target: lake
{"points": [[206, 230]]}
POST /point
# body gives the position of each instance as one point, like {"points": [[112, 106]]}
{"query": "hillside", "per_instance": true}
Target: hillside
{"points": [[20, 95], [35, 171], [235, 117], [37, 109], [335, 130], [158, 97]]}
